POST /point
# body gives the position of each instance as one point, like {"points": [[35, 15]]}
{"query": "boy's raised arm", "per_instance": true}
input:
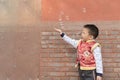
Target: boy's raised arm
{"points": [[69, 40]]}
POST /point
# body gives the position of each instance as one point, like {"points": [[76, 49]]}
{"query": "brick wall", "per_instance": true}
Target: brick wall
{"points": [[58, 58]]}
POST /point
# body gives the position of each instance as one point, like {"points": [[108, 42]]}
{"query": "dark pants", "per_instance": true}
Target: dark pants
{"points": [[87, 74]]}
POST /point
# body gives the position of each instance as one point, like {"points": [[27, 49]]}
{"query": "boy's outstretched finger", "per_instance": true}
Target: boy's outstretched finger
{"points": [[55, 29], [60, 31]]}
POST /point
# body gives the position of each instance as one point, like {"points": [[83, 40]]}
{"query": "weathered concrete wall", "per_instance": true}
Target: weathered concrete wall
{"points": [[19, 41]]}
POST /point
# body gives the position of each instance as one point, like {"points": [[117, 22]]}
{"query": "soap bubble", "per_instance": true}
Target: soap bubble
{"points": [[84, 10], [67, 17], [62, 12]]}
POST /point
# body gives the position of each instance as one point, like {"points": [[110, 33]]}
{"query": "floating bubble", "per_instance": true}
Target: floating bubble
{"points": [[61, 16], [61, 24], [60, 19], [61, 12], [67, 17], [84, 10], [62, 27]]}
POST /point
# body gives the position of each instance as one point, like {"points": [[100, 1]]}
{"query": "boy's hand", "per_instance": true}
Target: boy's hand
{"points": [[76, 65], [99, 78], [59, 30]]}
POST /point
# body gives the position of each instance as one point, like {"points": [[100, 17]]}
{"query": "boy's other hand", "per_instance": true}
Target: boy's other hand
{"points": [[99, 78], [76, 65], [59, 30]]}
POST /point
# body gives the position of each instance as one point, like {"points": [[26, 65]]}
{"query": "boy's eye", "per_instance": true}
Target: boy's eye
{"points": [[79, 33], [83, 32]]}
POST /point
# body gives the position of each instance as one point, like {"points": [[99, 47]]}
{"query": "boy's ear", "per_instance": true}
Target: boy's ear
{"points": [[91, 37]]}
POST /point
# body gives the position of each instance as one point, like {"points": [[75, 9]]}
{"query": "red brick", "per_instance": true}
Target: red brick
{"points": [[111, 75], [57, 73], [72, 74], [109, 65], [73, 78], [65, 78]]}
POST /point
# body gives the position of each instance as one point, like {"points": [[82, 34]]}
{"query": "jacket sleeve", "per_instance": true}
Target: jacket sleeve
{"points": [[98, 59], [69, 40]]}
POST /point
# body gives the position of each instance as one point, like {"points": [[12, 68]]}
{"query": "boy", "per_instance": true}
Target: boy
{"points": [[89, 59]]}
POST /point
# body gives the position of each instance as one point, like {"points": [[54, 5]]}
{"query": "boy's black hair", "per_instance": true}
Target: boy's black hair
{"points": [[93, 30]]}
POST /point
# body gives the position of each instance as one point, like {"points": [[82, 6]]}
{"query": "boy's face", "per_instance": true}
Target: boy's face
{"points": [[85, 34]]}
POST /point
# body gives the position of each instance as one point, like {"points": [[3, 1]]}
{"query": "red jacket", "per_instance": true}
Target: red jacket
{"points": [[85, 55]]}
